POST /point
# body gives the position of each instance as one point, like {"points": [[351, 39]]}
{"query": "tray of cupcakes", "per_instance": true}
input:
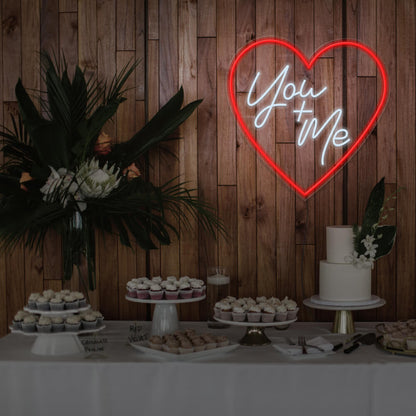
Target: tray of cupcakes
{"points": [[398, 337], [185, 345], [261, 311], [51, 303], [169, 290], [27, 323]]}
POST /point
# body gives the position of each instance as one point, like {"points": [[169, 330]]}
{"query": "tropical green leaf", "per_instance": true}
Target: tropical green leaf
{"points": [[385, 237]]}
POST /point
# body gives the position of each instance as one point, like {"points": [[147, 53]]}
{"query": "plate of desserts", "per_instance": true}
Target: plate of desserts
{"points": [[185, 345], [169, 289], [398, 337], [261, 311]]}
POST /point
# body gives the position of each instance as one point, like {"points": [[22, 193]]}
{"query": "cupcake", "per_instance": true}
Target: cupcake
{"points": [[156, 292], [89, 321], [184, 279], [226, 311], [44, 325], [261, 299], [73, 323], [79, 296], [42, 304], [142, 291], [29, 323], [210, 341], [185, 347], [254, 314], [171, 279], [157, 279], [171, 346], [32, 300], [292, 309], [217, 310], [268, 314], [131, 289], [57, 304], [197, 288], [65, 292], [155, 342], [281, 313], [222, 341], [171, 292], [238, 314], [18, 320], [99, 316], [185, 290], [198, 343], [57, 324], [48, 294], [71, 302]]}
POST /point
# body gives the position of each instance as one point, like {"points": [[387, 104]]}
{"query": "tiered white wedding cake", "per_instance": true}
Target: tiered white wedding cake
{"points": [[339, 279]]}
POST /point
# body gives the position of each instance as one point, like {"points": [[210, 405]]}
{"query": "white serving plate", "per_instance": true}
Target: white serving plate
{"points": [[372, 301], [56, 313], [60, 333], [142, 346], [165, 301], [257, 324]]}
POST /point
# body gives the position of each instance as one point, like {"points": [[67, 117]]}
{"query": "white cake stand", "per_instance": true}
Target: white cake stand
{"points": [[165, 317], [255, 335], [57, 343], [343, 322]]}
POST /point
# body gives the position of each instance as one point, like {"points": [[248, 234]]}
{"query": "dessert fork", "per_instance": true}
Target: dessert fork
{"points": [[302, 343]]}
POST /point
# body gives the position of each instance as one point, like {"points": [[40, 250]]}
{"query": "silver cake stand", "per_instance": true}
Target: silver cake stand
{"points": [[343, 322]]}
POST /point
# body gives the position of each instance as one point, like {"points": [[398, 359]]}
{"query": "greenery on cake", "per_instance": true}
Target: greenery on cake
{"points": [[373, 240], [61, 171]]}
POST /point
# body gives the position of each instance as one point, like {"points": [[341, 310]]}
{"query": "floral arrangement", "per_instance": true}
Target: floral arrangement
{"points": [[373, 240], [62, 171]]}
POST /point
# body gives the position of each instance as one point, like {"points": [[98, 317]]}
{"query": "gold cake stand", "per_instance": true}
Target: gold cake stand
{"points": [[343, 321], [255, 335]]}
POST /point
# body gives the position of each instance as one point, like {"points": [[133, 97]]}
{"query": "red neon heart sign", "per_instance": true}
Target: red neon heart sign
{"points": [[308, 65]]}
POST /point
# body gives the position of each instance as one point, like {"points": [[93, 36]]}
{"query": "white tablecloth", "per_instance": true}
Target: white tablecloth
{"points": [[247, 381]]}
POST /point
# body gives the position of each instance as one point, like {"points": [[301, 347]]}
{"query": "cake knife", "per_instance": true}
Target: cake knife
{"points": [[348, 341], [367, 339]]}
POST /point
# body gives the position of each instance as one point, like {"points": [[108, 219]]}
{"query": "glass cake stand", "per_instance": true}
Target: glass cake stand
{"points": [[343, 322], [165, 317], [255, 335]]}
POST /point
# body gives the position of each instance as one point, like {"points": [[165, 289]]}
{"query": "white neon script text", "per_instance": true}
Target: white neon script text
{"points": [[288, 91]]}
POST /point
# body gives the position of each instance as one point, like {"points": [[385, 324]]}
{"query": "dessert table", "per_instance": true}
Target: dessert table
{"points": [[119, 380]]}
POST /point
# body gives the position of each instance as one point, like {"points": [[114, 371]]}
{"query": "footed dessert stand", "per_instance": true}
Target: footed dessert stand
{"points": [[343, 322], [57, 343], [255, 335], [165, 317]]}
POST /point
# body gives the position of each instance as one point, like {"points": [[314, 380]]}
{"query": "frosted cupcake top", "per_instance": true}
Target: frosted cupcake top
{"points": [[73, 319], [44, 320]]}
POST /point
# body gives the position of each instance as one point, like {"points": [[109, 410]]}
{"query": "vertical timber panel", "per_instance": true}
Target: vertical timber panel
{"points": [[126, 127], [207, 148], [406, 93], [246, 206], [266, 178], [168, 81], [188, 145], [226, 133]]}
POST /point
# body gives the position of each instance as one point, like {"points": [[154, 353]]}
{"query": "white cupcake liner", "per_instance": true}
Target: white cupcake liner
{"points": [[44, 329], [72, 327], [281, 316], [17, 325], [29, 327], [239, 316], [89, 324], [226, 315], [57, 306], [58, 327], [253, 316], [42, 306], [267, 317]]}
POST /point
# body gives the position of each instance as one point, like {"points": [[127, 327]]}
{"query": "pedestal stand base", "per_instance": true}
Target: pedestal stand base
{"points": [[255, 336], [343, 323], [62, 344], [165, 319]]}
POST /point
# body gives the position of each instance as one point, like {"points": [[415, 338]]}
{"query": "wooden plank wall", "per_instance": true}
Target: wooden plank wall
{"points": [[276, 239]]}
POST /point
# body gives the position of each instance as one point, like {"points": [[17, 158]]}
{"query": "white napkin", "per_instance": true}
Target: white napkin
{"points": [[296, 350]]}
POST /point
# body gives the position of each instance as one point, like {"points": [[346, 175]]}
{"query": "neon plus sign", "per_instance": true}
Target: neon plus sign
{"points": [[301, 111]]}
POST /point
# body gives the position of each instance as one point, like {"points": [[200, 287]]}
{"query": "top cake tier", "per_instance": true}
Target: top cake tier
{"points": [[339, 243]]}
